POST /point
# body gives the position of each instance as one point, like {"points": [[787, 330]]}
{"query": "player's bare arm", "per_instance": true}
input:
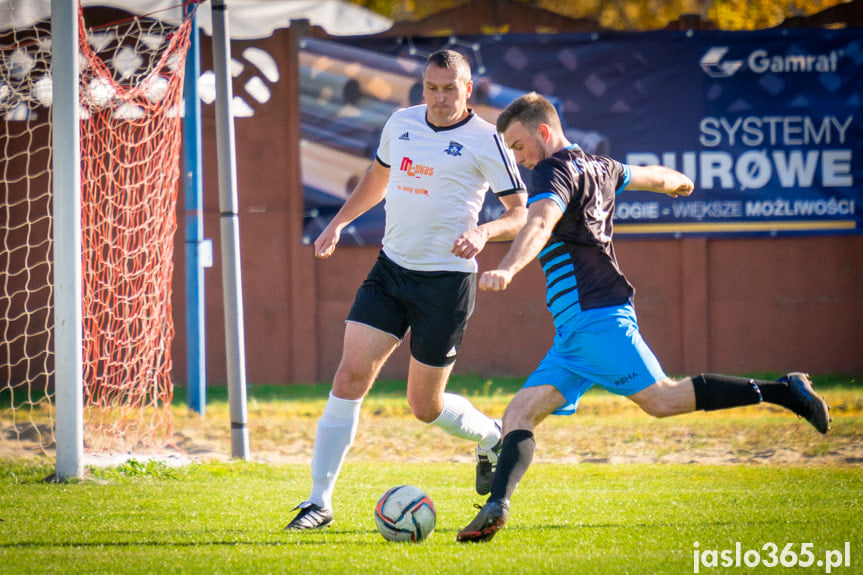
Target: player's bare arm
{"points": [[542, 216], [504, 228], [660, 179], [370, 191]]}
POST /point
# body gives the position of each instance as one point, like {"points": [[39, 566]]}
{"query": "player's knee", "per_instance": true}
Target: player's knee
{"points": [[657, 409], [513, 419], [351, 384], [658, 400], [652, 403], [424, 411], [423, 407]]}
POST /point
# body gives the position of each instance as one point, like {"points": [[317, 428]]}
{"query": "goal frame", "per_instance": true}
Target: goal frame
{"points": [[66, 183], [67, 240]]}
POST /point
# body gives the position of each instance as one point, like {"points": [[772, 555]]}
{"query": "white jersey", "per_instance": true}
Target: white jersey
{"points": [[437, 185]]}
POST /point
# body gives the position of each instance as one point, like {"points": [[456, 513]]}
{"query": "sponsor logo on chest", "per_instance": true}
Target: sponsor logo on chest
{"points": [[415, 170]]}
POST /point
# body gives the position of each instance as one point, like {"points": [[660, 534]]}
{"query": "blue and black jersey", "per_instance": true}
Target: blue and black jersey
{"points": [[580, 267]]}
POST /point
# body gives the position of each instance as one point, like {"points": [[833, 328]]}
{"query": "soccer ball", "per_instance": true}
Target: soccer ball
{"points": [[405, 513]]}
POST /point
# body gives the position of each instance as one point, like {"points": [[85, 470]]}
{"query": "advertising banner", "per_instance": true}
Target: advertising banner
{"points": [[768, 124]]}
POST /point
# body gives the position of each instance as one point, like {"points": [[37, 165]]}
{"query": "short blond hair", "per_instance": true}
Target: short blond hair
{"points": [[531, 110]]}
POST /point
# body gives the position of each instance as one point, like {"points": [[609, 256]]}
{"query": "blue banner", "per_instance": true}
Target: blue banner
{"points": [[767, 124]]}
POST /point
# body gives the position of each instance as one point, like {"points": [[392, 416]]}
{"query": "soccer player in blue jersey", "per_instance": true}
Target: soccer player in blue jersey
{"points": [[434, 165], [597, 341]]}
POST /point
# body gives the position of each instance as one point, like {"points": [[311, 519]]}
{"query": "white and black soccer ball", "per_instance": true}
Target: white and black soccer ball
{"points": [[405, 513]]}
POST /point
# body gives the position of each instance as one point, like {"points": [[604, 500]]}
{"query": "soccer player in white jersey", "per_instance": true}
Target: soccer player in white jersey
{"points": [[597, 340], [434, 164]]}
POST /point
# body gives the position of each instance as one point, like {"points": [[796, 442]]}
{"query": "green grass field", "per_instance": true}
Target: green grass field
{"points": [[220, 517], [227, 518]]}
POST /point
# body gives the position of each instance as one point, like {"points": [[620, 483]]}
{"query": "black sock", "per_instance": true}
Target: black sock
{"points": [[516, 454], [723, 391], [775, 392]]}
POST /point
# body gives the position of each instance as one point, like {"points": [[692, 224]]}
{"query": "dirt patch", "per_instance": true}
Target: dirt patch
{"points": [[603, 433]]}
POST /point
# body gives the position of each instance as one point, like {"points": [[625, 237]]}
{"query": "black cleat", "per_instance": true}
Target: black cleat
{"points": [[491, 517], [311, 516], [805, 402], [486, 464]]}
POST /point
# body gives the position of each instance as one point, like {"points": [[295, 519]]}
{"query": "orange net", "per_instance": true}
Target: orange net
{"points": [[131, 142], [131, 136]]}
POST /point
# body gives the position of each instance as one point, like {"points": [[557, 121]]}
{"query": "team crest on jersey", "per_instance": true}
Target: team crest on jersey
{"points": [[454, 148], [405, 136]]}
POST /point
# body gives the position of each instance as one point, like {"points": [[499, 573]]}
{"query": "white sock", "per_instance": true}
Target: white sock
{"points": [[460, 418], [337, 428]]}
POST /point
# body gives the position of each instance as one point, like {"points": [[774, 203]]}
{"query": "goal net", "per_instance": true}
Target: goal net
{"points": [[131, 142]]}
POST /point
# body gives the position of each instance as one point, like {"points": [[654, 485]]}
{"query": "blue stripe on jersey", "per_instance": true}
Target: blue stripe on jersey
{"points": [[549, 249], [627, 177], [551, 263], [561, 271], [547, 196], [562, 296], [560, 286], [565, 315]]}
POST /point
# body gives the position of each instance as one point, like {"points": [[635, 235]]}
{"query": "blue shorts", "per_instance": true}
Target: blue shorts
{"points": [[599, 347]]}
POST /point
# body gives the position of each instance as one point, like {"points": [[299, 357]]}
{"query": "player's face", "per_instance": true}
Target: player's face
{"points": [[527, 146], [446, 95]]}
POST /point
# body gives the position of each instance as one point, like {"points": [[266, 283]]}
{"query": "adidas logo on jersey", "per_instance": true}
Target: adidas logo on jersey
{"points": [[405, 136]]}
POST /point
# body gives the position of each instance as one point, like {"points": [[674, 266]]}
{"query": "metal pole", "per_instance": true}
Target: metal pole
{"points": [[230, 234], [66, 183], [196, 366]]}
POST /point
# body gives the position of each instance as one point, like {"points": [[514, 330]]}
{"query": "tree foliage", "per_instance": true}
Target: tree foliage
{"points": [[634, 14]]}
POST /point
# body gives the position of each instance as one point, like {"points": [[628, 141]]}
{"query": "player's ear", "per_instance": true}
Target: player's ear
{"points": [[544, 132], [469, 88]]}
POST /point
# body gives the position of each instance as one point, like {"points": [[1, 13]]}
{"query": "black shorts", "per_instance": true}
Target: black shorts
{"points": [[435, 306]]}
